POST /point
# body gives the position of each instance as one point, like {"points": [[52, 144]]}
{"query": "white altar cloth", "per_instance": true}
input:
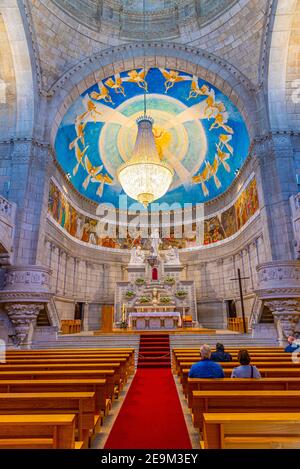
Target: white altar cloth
{"points": [[154, 320]]}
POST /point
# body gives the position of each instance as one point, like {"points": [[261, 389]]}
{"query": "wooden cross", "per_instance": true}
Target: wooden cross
{"points": [[239, 278]]}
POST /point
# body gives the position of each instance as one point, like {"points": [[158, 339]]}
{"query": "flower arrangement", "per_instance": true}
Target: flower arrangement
{"points": [[181, 293], [140, 281], [165, 300], [169, 280], [144, 299], [129, 294], [123, 324]]}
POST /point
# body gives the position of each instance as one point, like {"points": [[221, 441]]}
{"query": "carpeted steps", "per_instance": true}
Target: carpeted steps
{"points": [[154, 351]]}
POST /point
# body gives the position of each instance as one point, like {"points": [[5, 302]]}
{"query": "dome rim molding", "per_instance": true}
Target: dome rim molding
{"points": [[144, 47]]}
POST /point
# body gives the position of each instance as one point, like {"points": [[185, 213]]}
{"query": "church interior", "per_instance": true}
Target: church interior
{"points": [[149, 210]]}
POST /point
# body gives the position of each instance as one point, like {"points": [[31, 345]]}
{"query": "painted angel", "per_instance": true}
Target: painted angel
{"points": [[213, 169], [172, 77], [201, 179], [102, 179], [116, 84], [196, 91], [91, 111], [79, 157], [79, 128], [223, 157], [91, 170], [224, 139], [137, 77], [103, 94], [220, 122]]}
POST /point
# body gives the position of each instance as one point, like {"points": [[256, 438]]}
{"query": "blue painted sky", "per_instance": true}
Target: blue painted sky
{"points": [[188, 193]]}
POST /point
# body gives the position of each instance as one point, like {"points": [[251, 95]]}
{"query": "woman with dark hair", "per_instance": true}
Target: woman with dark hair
{"points": [[245, 370]]}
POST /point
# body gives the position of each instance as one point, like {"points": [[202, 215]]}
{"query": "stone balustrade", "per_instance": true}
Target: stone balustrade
{"points": [[279, 289]]}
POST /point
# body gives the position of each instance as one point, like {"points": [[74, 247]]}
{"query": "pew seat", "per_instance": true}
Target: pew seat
{"points": [[240, 384], [251, 431], [81, 404], [40, 429], [242, 401]]}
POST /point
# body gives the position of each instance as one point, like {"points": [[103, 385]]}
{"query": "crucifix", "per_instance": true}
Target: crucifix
{"points": [[239, 278]]}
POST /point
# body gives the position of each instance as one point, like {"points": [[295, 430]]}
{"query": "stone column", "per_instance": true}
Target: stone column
{"points": [[286, 315], [25, 293], [276, 183], [85, 326], [23, 317]]}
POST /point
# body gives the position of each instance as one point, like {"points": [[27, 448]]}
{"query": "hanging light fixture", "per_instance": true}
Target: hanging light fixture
{"points": [[145, 177]]}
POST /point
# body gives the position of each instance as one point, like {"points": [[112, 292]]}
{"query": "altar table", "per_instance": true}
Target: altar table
{"points": [[154, 320]]}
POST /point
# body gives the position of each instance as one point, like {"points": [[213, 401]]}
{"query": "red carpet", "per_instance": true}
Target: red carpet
{"points": [[151, 416]]}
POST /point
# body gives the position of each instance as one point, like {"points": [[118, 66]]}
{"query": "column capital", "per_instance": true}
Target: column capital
{"points": [[286, 313], [22, 315]]}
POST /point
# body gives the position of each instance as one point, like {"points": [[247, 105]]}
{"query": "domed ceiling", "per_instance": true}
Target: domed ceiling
{"points": [[124, 18], [197, 130]]}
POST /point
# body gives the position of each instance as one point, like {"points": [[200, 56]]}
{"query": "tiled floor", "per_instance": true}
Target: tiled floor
{"points": [[194, 434], [100, 438]]}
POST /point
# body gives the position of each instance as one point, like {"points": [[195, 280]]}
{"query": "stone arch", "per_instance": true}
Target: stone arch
{"points": [[20, 83], [279, 57], [201, 63]]}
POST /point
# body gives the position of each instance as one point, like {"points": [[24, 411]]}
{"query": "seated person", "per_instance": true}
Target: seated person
{"points": [[245, 370], [293, 344], [220, 355], [206, 368]]}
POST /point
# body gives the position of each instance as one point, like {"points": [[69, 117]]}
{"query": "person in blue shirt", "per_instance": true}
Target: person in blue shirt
{"points": [[220, 355], [206, 368], [293, 344]]}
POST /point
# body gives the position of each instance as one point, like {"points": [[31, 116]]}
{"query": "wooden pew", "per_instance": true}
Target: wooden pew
{"points": [[195, 355], [69, 350], [38, 431], [242, 401], [98, 386], [258, 361], [108, 375], [251, 431], [240, 384], [48, 364], [81, 404], [129, 356], [265, 373], [117, 366], [119, 370]]}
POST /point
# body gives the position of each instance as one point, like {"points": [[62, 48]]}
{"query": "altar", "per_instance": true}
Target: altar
{"points": [[154, 320], [154, 293]]}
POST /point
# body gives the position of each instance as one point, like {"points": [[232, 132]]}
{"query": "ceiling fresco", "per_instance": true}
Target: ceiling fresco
{"points": [[197, 130]]}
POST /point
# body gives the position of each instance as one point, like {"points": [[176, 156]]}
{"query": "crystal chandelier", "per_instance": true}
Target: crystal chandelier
{"points": [[145, 177]]}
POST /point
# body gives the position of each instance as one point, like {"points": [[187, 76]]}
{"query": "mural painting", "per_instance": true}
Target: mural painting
{"points": [[198, 131], [90, 230]]}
